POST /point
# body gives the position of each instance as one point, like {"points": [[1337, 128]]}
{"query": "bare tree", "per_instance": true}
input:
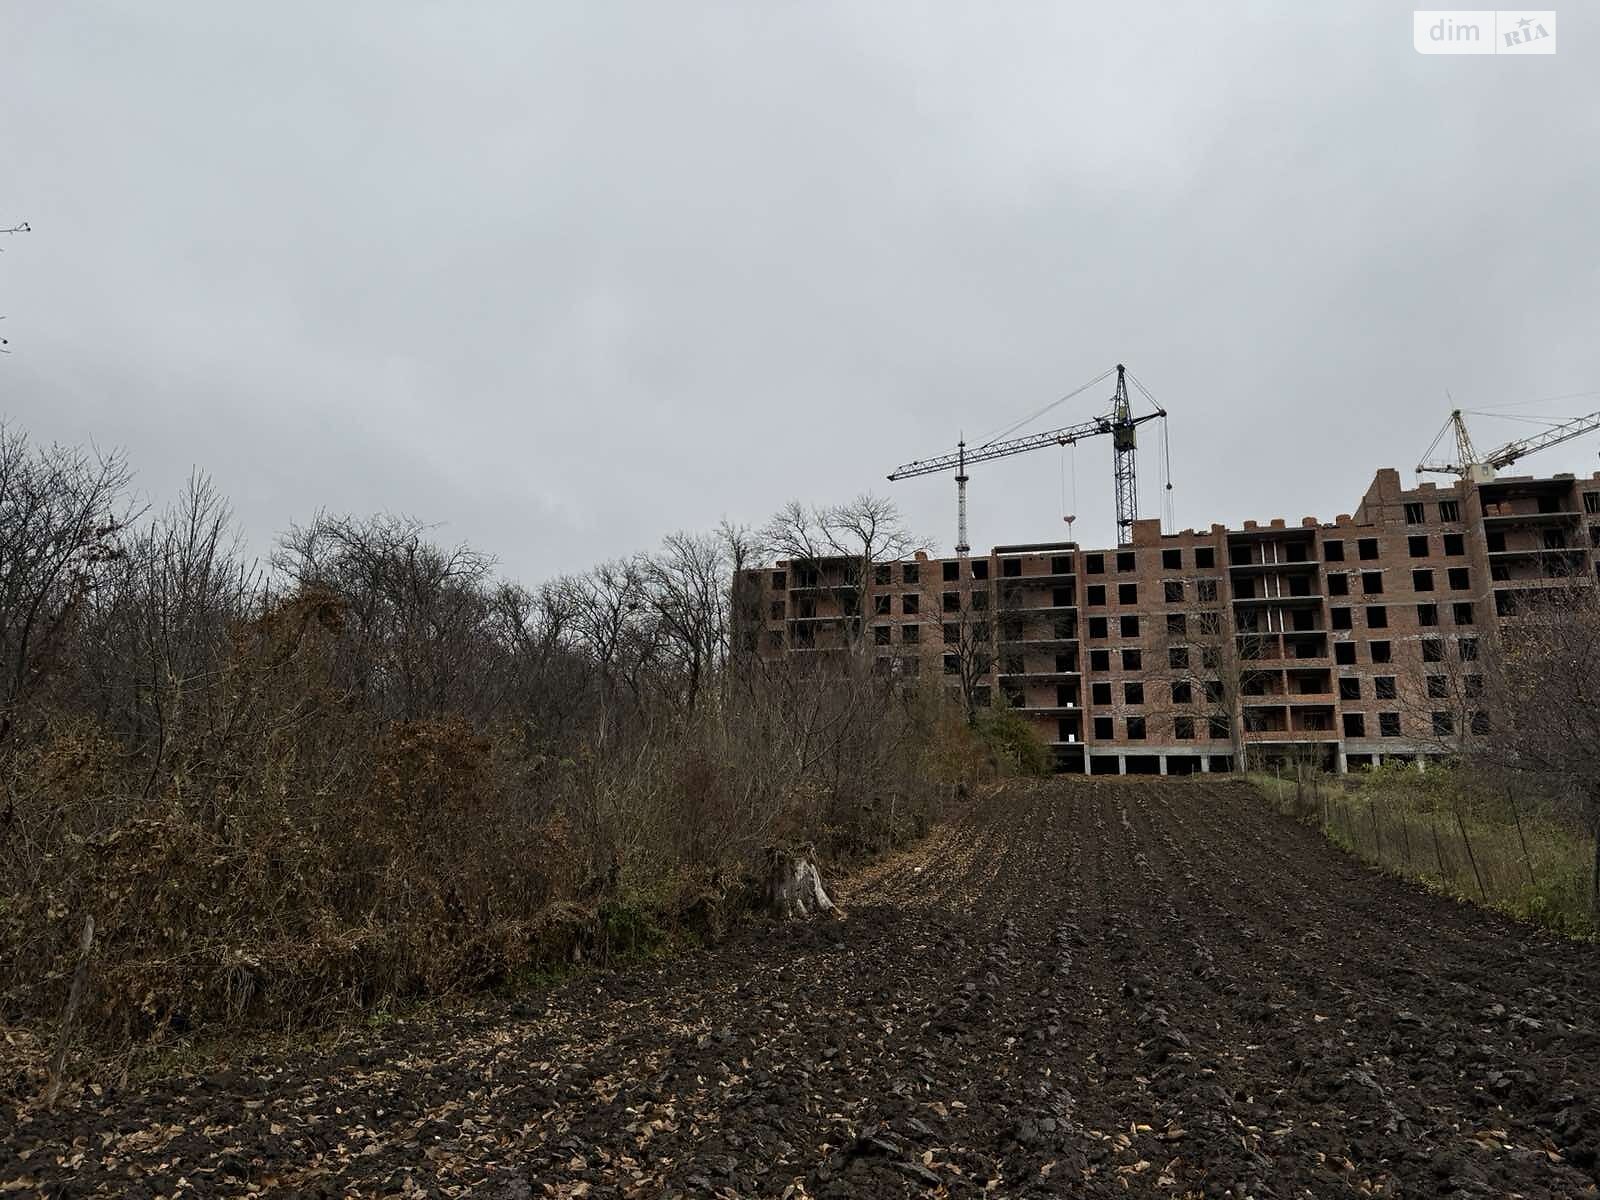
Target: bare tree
{"points": [[1544, 696], [690, 585], [618, 630], [161, 629], [840, 546], [1214, 668], [419, 614], [1445, 701], [969, 643], [62, 513]]}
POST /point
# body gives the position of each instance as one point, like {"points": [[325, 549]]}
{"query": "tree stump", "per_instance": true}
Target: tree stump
{"points": [[794, 885]]}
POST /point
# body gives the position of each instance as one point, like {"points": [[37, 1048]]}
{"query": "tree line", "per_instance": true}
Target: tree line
{"points": [[370, 766]]}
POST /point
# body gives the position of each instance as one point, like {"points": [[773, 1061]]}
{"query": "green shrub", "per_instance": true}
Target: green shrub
{"points": [[1012, 744]]}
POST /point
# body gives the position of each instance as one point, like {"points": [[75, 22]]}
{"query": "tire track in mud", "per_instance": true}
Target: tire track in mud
{"points": [[1075, 987]]}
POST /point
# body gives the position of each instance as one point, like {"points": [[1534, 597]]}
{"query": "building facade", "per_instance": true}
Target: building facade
{"points": [[1343, 643]]}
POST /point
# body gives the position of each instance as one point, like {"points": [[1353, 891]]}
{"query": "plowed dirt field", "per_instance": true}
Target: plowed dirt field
{"points": [[1078, 988]]}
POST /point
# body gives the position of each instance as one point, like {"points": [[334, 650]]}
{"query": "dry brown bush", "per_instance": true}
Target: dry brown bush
{"points": [[375, 772]]}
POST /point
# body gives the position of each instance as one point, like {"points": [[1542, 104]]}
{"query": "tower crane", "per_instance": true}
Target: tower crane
{"points": [[1121, 423], [1479, 467]]}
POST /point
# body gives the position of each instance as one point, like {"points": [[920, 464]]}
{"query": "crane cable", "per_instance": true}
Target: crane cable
{"points": [[1169, 512], [994, 437], [1069, 515], [1437, 438]]}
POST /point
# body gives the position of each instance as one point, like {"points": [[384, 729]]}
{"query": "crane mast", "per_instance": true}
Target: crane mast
{"points": [[1124, 444], [1121, 423]]}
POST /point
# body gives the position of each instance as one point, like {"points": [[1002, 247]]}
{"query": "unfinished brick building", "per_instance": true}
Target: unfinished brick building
{"points": [[1343, 643]]}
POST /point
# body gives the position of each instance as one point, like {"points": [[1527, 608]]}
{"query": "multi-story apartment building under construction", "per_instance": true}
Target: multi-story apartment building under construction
{"points": [[1346, 643]]}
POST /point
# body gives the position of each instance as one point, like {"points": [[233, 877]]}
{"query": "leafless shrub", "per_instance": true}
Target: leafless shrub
{"points": [[373, 769]]}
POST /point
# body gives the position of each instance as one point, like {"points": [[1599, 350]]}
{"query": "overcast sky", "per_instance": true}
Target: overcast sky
{"points": [[563, 278]]}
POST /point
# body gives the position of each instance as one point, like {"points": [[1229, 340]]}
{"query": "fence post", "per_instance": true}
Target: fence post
{"points": [[1438, 852], [1471, 858], [1516, 815]]}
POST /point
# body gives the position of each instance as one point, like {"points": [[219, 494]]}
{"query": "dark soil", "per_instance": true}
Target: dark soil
{"points": [[1084, 988]]}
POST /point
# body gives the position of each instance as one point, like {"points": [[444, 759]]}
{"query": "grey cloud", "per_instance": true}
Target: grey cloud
{"points": [[566, 277]]}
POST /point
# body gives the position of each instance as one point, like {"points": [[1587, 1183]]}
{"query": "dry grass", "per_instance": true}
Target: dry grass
{"points": [[1514, 850]]}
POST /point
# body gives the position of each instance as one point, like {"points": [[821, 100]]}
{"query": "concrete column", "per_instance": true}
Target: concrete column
{"points": [[1205, 764], [1344, 762], [1122, 764], [1163, 764]]}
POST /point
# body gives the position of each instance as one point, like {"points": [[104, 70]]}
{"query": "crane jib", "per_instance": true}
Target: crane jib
{"points": [[1120, 423], [1065, 436]]}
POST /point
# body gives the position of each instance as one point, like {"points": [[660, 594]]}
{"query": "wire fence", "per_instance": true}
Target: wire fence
{"points": [[1502, 851]]}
